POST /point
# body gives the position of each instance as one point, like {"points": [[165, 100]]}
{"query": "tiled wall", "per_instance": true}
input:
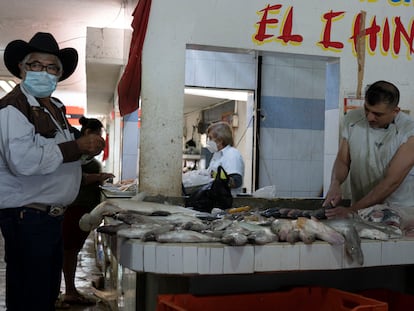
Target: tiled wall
{"points": [[292, 113], [292, 125], [130, 143], [215, 69], [220, 70]]}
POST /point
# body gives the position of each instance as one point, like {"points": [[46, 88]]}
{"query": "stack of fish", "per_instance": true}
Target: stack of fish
{"points": [[243, 225]]}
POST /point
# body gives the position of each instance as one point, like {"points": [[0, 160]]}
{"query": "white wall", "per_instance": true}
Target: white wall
{"points": [[231, 23]]}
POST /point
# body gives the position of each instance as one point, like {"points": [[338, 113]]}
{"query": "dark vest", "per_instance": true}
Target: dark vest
{"points": [[40, 119]]}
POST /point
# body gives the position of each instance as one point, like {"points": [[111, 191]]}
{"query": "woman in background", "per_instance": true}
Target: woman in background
{"points": [[88, 197], [220, 142]]}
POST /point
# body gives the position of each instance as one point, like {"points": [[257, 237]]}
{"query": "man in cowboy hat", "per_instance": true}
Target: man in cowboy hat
{"points": [[40, 170]]}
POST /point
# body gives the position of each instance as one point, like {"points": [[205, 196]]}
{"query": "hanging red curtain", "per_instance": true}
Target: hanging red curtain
{"points": [[105, 155], [129, 87]]}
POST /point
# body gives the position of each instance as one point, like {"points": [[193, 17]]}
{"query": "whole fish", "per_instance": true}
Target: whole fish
{"points": [[185, 236], [185, 221], [132, 217], [271, 212], [382, 214], [220, 224], [293, 213], [352, 239], [137, 231], [235, 235], [151, 235], [262, 237], [112, 229], [145, 232], [376, 231], [234, 238], [92, 220], [199, 227], [149, 208], [306, 237], [371, 233], [259, 234], [281, 227], [320, 230], [293, 236]]}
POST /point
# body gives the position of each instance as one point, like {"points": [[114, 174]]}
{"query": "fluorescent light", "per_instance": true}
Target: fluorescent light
{"points": [[7, 85], [217, 93]]}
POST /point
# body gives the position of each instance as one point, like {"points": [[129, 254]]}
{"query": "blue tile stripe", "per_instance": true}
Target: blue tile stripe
{"points": [[292, 113]]}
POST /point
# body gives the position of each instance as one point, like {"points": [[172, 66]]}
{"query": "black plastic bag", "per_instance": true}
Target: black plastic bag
{"points": [[215, 194]]}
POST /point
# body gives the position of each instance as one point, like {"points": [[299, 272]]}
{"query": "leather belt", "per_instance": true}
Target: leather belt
{"points": [[52, 210]]}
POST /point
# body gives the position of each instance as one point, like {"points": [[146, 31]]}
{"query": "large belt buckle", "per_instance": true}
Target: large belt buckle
{"points": [[56, 210]]}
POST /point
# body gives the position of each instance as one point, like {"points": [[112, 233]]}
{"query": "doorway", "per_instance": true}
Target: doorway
{"points": [[285, 142]]}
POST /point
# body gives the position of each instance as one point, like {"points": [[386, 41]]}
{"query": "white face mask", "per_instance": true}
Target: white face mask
{"points": [[211, 146]]}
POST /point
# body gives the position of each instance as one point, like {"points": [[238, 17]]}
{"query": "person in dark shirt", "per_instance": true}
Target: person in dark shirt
{"points": [[88, 197]]}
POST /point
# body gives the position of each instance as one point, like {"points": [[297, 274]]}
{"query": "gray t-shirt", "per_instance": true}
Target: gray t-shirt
{"points": [[371, 150]]}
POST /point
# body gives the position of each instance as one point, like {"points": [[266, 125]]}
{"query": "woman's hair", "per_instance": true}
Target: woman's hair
{"points": [[90, 124], [382, 92], [221, 131]]}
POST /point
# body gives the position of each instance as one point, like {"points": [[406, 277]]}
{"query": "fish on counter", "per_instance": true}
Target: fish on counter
{"points": [[282, 227], [381, 213], [138, 231], [376, 231], [183, 221], [165, 224], [293, 213], [235, 235], [234, 238], [152, 234], [132, 217], [289, 231], [320, 230], [185, 236], [92, 220], [112, 229], [352, 239], [307, 237], [258, 234], [220, 224], [293, 236]]}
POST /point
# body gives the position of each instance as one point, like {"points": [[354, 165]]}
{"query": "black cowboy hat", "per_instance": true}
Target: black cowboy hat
{"points": [[41, 42]]}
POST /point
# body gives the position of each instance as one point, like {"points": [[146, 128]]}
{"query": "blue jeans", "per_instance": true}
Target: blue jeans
{"points": [[33, 256]]}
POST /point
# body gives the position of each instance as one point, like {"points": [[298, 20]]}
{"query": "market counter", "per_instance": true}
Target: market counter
{"points": [[217, 258], [215, 268]]}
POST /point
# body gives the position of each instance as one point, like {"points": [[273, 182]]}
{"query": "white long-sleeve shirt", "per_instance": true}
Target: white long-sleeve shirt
{"points": [[32, 166]]}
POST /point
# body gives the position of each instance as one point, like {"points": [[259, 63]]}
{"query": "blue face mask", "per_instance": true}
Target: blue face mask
{"points": [[40, 83]]}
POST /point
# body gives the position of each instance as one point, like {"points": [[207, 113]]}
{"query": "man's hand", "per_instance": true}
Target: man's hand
{"points": [[339, 212], [334, 196], [91, 144]]}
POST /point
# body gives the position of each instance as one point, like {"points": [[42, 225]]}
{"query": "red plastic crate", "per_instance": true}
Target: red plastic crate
{"points": [[396, 301], [296, 299]]}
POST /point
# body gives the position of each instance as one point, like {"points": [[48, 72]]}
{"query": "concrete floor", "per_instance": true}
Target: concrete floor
{"points": [[86, 273]]}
